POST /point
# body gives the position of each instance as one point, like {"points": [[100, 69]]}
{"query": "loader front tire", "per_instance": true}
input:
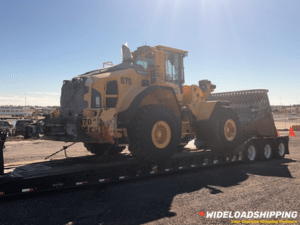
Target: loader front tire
{"points": [[222, 132], [229, 128], [154, 134]]}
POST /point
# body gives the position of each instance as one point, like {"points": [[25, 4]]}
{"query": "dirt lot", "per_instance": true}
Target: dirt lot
{"points": [[286, 124], [171, 199], [283, 121], [26, 151]]}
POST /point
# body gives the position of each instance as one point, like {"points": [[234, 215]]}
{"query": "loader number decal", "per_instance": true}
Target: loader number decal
{"points": [[125, 80], [86, 121]]}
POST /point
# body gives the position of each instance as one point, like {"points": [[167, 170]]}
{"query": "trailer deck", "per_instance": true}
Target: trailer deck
{"points": [[92, 170], [74, 172]]}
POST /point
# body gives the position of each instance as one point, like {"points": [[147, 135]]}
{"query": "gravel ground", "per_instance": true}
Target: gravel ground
{"points": [[169, 199]]}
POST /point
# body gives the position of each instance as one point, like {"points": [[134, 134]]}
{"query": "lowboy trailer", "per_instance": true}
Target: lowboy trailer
{"points": [[76, 172]]}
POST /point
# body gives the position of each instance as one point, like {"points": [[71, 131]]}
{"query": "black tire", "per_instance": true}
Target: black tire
{"points": [[233, 138], [250, 152], [154, 134], [280, 149], [99, 148], [40, 130], [222, 132], [200, 144], [26, 137], [180, 148], [266, 151]]}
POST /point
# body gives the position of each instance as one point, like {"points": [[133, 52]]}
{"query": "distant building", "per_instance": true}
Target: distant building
{"points": [[41, 111], [26, 110], [16, 110]]}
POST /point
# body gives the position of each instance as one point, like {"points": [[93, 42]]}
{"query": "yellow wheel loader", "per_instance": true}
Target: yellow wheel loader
{"points": [[143, 102]]}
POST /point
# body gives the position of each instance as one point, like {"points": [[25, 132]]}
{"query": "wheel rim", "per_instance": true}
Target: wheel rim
{"points": [[267, 151], [161, 134], [251, 153], [281, 149], [230, 130]]}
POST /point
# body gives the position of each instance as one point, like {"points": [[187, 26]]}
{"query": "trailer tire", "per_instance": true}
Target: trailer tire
{"points": [[266, 151], [99, 148], [154, 134], [250, 152], [280, 150]]}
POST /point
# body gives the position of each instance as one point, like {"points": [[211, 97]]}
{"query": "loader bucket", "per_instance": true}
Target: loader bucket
{"points": [[253, 109]]}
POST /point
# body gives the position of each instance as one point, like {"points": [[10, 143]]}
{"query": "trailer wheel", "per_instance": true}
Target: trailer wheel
{"points": [[266, 151], [280, 150], [99, 148], [250, 152], [154, 134]]}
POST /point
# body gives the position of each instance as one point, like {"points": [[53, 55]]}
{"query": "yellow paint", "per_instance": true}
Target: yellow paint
{"points": [[128, 97], [55, 113], [100, 124], [192, 97], [124, 90], [162, 97]]}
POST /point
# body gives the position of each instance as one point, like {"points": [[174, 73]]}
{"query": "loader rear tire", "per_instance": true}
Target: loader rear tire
{"points": [[154, 134], [99, 149]]}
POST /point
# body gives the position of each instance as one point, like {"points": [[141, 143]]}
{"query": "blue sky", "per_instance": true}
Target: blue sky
{"points": [[237, 44]]}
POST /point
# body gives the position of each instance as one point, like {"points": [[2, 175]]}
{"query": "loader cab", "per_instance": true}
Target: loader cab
{"points": [[164, 64]]}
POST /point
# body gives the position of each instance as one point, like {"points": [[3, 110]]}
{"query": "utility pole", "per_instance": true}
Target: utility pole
{"points": [[280, 101], [25, 98]]}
